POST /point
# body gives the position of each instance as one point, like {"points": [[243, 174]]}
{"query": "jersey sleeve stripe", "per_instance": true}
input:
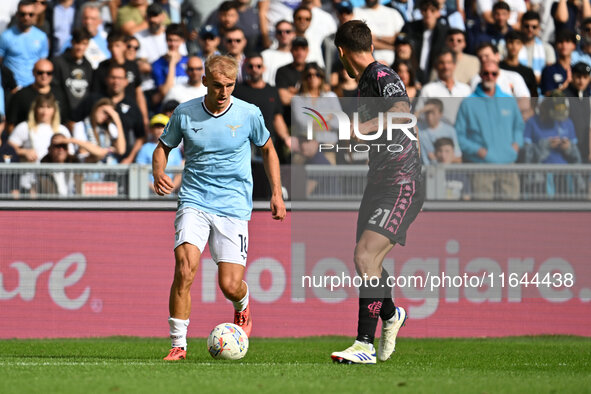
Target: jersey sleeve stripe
{"points": [[164, 143], [260, 146]]}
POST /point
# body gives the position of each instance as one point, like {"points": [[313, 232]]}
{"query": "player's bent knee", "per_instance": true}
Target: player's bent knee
{"points": [[361, 256], [231, 288], [365, 262]]}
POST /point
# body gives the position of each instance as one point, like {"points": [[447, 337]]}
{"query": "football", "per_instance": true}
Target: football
{"points": [[227, 341]]}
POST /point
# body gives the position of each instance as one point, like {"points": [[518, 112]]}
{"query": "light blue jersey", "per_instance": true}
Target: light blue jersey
{"points": [[217, 176], [21, 51]]}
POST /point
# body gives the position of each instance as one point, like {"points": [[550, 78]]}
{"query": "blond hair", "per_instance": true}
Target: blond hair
{"points": [[44, 99], [225, 65]]}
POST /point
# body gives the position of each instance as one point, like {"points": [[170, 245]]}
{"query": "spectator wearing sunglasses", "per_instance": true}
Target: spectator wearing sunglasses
{"points": [[20, 103], [312, 88], [535, 53], [243, 16], [23, 44], [235, 44], [191, 89], [302, 21], [62, 183], [273, 58], [489, 127], [467, 65], [133, 46]]}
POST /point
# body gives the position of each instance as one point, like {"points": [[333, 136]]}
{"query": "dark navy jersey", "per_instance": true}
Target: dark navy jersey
{"points": [[402, 164]]}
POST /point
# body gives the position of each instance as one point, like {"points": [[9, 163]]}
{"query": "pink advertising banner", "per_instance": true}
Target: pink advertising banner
{"points": [[461, 274]]}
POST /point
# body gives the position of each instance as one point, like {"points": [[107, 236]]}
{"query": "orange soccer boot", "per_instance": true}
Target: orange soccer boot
{"points": [[244, 320], [176, 353]]}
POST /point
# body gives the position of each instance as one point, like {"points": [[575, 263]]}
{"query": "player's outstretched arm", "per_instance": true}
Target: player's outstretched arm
{"points": [[271, 162], [162, 183]]}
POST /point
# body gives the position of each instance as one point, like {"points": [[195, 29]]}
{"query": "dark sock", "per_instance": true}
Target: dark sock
{"points": [[388, 308], [370, 305]]}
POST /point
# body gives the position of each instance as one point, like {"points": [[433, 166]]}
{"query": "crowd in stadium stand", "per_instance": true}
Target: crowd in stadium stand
{"points": [[105, 73]]}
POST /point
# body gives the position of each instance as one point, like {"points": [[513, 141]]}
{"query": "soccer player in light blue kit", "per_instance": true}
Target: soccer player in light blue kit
{"points": [[215, 199]]}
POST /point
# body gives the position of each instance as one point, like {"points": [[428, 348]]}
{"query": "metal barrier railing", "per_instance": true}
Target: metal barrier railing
{"points": [[535, 182], [525, 182], [76, 181], [463, 182]]}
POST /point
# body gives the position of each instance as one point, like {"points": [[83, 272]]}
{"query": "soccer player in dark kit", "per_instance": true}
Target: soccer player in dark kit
{"points": [[393, 196]]}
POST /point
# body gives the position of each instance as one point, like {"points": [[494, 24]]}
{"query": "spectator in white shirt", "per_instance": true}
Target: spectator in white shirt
{"points": [[509, 81], [153, 44], [280, 56], [191, 89], [446, 86], [385, 23], [518, 7]]}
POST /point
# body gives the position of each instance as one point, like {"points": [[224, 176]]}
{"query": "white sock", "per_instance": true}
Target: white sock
{"points": [[241, 305], [369, 346], [178, 332], [390, 321]]}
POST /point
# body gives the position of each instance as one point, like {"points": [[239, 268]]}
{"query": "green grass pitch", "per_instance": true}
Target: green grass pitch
{"points": [[548, 364]]}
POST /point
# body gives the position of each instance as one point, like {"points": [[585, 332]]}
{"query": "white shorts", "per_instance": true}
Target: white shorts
{"points": [[228, 237]]}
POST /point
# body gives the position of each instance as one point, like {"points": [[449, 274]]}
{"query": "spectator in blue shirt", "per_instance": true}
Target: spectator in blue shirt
{"points": [[433, 128], [23, 44], [549, 136], [171, 68], [489, 127]]}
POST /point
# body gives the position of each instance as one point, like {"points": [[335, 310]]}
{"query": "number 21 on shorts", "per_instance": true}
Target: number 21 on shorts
{"points": [[380, 215]]}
